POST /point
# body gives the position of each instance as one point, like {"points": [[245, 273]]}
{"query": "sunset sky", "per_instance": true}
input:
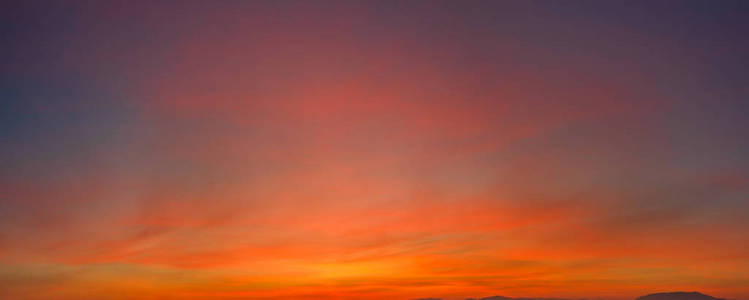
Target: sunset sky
{"points": [[373, 150]]}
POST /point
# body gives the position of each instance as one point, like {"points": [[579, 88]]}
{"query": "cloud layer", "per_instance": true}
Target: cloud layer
{"points": [[286, 150]]}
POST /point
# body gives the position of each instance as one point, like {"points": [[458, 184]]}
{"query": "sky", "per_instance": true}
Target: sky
{"points": [[373, 149]]}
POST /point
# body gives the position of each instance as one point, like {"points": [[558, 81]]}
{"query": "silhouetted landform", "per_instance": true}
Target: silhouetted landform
{"points": [[679, 296], [509, 298], [656, 296]]}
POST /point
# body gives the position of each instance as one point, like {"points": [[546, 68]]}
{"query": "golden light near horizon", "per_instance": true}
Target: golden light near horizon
{"points": [[373, 150]]}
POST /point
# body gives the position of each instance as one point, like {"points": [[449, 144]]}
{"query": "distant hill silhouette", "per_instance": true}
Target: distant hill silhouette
{"points": [[678, 296], [656, 296], [509, 298]]}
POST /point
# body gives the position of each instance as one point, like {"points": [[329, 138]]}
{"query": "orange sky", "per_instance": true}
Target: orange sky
{"points": [[373, 150]]}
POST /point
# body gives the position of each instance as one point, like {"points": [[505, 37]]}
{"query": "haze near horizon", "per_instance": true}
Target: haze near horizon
{"points": [[373, 149]]}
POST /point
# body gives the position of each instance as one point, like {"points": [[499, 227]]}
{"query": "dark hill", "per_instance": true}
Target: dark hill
{"points": [[678, 296], [509, 298], [656, 296]]}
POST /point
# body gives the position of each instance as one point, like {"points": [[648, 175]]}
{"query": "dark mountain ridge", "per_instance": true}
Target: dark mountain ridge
{"points": [[655, 296], [510, 298], [678, 296]]}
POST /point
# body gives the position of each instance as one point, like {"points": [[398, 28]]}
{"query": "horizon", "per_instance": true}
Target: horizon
{"points": [[662, 293], [163, 149]]}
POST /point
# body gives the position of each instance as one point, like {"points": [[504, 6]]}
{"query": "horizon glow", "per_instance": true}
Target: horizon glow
{"points": [[373, 149]]}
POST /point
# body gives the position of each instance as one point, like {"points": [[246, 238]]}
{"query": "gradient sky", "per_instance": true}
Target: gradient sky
{"points": [[373, 150]]}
